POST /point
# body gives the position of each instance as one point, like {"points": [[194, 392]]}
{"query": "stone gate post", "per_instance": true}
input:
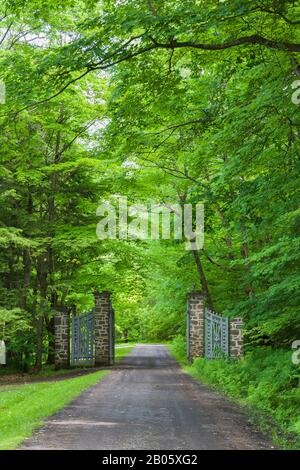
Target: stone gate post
{"points": [[195, 325], [62, 339], [236, 338], [102, 333]]}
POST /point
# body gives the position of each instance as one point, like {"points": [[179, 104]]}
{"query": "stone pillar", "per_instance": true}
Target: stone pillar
{"points": [[102, 328], [62, 339], [236, 338], [195, 325]]}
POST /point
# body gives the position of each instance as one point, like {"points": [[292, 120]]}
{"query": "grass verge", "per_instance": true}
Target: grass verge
{"points": [[23, 408], [265, 381], [122, 349]]}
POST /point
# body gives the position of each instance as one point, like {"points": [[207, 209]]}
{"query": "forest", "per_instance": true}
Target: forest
{"points": [[182, 101]]}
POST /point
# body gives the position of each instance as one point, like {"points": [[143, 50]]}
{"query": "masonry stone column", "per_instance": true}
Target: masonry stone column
{"points": [[102, 333], [236, 338], [195, 325], [62, 339]]}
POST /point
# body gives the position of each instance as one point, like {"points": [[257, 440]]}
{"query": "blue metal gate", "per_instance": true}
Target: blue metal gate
{"points": [[216, 335], [83, 347]]}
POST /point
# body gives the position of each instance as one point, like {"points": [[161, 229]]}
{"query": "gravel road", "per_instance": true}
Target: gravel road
{"points": [[148, 402]]}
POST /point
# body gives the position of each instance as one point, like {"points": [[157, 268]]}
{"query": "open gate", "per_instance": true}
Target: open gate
{"points": [[83, 345], [216, 335]]}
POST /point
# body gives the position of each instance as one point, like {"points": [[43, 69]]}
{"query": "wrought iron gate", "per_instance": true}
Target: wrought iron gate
{"points": [[216, 335], [83, 348]]}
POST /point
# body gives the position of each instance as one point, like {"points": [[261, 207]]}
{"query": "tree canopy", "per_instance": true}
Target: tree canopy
{"points": [[175, 102]]}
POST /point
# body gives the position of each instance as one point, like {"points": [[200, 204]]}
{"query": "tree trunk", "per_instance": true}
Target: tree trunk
{"points": [[26, 278], [42, 278], [245, 255], [39, 343], [51, 331], [202, 277]]}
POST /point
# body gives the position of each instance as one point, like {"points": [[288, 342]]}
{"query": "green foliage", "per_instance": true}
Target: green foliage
{"points": [[174, 102], [265, 379], [178, 349], [162, 308], [16, 328]]}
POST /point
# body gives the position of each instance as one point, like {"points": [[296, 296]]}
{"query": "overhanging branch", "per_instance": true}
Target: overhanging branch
{"points": [[245, 40], [125, 55]]}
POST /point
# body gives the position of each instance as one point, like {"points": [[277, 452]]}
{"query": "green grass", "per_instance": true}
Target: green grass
{"points": [[49, 371], [23, 408], [122, 349], [265, 381], [46, 371]]}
